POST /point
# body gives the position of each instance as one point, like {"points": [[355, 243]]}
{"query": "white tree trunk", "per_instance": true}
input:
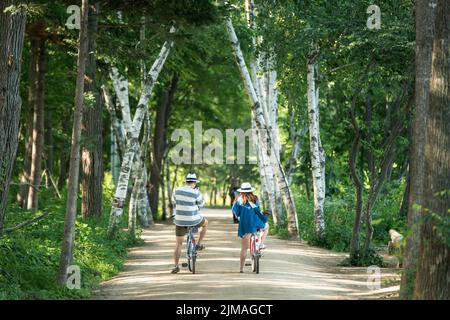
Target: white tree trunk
{"points": [[117, 126], [115, 160], [133, 142], [317, 153], [262, 88], [120, 84], [266, 172], [272, 114], [261, 125]]}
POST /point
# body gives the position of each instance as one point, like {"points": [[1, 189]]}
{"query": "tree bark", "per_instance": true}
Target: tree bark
{"points": [[433, 265], [316, 152], [169, 189], [37, 139], [92, 127], [12, 28], [67, 244], [425, 15]]}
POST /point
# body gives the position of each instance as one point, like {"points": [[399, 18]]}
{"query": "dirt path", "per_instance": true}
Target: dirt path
{"points": [[289, 270]]}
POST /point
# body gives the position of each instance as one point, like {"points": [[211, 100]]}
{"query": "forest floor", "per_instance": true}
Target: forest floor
{"points": [[288, 270]]}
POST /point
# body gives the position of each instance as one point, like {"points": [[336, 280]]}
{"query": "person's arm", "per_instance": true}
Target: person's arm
{"points": [[235, 209], [260, 214], [199, 201], [174, 198]]}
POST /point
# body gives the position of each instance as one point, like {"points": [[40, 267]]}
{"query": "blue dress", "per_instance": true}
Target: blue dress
{"points": [[250, 219]]}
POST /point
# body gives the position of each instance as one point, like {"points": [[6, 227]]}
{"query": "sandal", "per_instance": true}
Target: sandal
{"points": [[200, 247]]}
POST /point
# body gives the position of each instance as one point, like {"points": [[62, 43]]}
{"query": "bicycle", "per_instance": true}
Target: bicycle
{"points": [[255, 250], [191, 251]]}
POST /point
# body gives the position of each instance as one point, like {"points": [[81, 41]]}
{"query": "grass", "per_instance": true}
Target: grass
{"points": [[30, 256]]}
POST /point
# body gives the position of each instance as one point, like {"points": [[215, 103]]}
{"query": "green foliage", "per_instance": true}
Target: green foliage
{"points": [[30, 256], [339, 218], [372, 258]]}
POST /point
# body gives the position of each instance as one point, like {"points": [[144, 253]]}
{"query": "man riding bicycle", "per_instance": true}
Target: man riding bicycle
{"points": [[188, 201]]}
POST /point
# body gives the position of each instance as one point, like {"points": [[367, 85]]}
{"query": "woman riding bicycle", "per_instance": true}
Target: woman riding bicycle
{"points": [[246, 209]]}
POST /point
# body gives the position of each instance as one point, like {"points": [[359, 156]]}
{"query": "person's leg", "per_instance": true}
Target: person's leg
{"points": [[264, 233], [203, 230], [245, 242], [177, 252]]}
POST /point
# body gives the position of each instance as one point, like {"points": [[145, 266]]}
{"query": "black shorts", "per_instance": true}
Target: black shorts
{"points": [[181, 231]]}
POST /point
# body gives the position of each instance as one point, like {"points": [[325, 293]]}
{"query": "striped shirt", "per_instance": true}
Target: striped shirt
{"points": [[188, 201]]}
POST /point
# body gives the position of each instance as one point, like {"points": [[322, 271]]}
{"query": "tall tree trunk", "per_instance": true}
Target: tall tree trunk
{"points": [[403, 212], [354, 244], [162, 114], [317, 153], [67, 244], [169, 189], [261, 125], [12, 28], [433, 265], [425, 15], [133, 142], [92, 127], [37, 140], [22, 196], [117, 136], [163, 195], [261, 84]]}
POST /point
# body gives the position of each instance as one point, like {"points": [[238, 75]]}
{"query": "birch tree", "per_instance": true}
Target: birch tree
{"points": [[67, 244], [132, 143], [261, 124], [264, 82], [316, 150]]}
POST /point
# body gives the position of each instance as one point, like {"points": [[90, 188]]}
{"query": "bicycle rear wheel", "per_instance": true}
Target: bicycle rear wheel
{"points": [[252, 253], [192, 257], [189, 253], [194, 260]]}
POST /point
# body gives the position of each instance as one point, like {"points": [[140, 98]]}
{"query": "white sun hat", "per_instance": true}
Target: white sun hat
{"points": [[246, 187], [191, 177]]}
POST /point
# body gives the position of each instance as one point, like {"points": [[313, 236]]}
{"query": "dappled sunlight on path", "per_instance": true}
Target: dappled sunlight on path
{"points": [[289, 270]]}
